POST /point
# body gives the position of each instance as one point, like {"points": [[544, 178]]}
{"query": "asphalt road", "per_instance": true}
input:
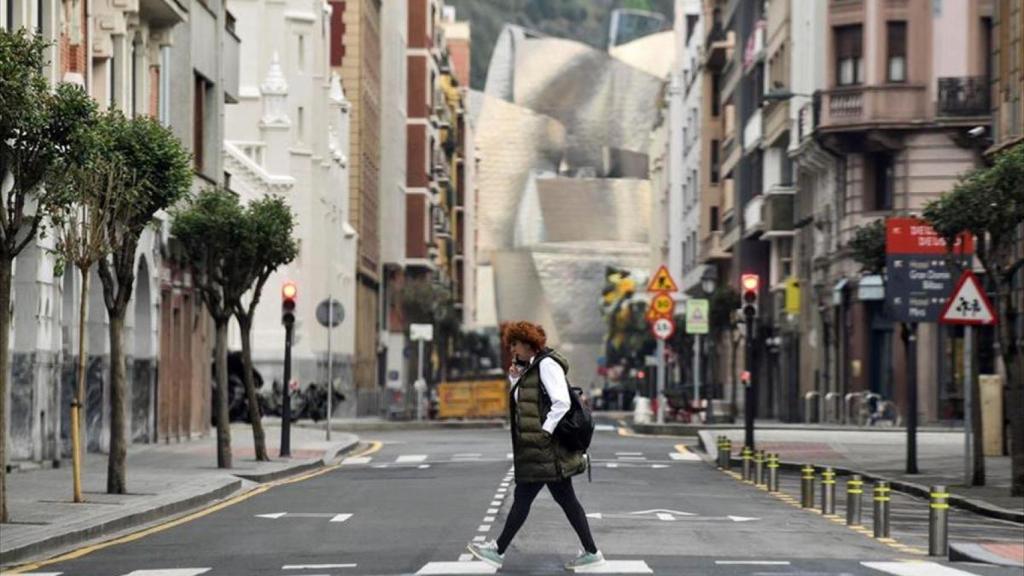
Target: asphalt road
{"points": [[413, 505]]}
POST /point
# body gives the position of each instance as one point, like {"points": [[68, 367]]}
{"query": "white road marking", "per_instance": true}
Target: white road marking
{"points": [[504, 484], [666, 517], [916, 569], [316, 566], [472, 455], [633, 458], [502, 490], [475, 567], [686, 456], [41, 573], [410, 458], [479, 538], [380, 466], [488, 518], [612, 465], [619, 567], [508, 456], [465, 557], [604, 428], [492, 510], [170, 572], [752, 562], [484, 528], [357, 460], [629, 453], [657, 466], [496, 503], [340, 517], [423, 466], [271, 516]]}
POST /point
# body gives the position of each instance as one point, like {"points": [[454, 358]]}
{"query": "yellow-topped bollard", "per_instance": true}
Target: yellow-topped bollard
{"points": [[747, 456], [938, 522], [773, 472], [881, 512], [854, 492], [828, 492], [807, 486]]}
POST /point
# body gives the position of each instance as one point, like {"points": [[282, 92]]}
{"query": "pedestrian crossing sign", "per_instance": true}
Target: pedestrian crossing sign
{"points": [[969, 305], [662, 281]]}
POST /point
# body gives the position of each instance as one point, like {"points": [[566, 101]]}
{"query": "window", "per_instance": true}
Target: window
{"points": [[713, 217], [785, 258], [300, 56], [896, 44], [691, 25], [849, 61], [300, 125], [879, 179], [716, 94], [715, 151], [198, 120]]}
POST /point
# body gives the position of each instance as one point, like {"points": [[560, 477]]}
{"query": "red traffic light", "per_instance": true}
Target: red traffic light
{"points": [[749, 282], [289, 291]]}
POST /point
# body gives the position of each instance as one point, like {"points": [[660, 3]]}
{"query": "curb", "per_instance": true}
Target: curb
{"points": [[299, 468], [966, 552], [695, 429], [75, 537], [976, 506]]}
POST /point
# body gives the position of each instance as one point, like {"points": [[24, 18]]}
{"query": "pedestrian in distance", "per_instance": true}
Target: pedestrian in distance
{"points": [[539, 399]]}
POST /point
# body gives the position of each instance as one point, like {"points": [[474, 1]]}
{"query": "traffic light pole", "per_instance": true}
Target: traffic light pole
{"points": [[286, 402], [910, 343], [748, 386]]}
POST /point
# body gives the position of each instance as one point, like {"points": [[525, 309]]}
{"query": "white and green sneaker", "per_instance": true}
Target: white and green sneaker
{"points": [[585, 560], [488, 552]]}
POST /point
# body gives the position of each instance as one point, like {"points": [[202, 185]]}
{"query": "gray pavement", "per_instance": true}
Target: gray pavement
{"points": [[163, 480], [413, 503], [883, 452]]}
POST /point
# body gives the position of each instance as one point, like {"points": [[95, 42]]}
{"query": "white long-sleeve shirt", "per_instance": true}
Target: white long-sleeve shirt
{"points": [[555, 384]]}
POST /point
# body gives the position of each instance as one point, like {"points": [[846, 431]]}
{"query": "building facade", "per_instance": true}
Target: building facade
{"points": [[175, 61], [286, 137]]}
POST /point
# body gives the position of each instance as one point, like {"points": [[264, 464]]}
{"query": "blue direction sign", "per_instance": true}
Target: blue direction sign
{"points": [[921, 272]]}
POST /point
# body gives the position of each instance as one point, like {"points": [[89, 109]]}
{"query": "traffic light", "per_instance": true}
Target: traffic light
{"points": [[749, 284], [288, 294]]}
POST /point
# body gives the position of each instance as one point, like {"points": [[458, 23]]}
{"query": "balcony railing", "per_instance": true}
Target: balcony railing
{"points": [[964, 96], [882, 104]]}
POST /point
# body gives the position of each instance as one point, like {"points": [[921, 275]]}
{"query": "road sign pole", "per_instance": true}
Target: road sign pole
{"points": [[419, 382], [968, 401], [661, 380], [286, 409], [910, 342], [748, 390], [330, 362], [696, 372]]}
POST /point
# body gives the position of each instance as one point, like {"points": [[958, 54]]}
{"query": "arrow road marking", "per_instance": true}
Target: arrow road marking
{"points": [[271, 516]]}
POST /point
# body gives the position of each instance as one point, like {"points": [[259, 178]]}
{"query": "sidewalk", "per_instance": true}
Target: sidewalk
{"points": [[371, 424], [940, 458], [163, 480]]}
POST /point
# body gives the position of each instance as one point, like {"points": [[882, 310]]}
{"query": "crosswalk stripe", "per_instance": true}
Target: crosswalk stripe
{"points": [[619, 567], [465, 557], [42, 573], [410, 458], [475, 567], [916, 569], [357, 460], [685, 456], [316, 566], [170, 572]]}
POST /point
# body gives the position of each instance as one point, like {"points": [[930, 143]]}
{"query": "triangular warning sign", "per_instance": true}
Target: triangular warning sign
{"points": [[662, 281], [969, 304]]}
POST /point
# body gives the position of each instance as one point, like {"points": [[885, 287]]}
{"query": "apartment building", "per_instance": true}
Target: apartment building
{"points": [[356, 57], [178, 62], [288, 136], [904, 84]]}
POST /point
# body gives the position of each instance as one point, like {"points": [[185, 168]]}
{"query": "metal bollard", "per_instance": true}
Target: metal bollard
{"points": [[727, 457], [854, 491], [773, 472], [828, 492], [938, 522], [722, 454], [746, 455], [881, 512], [759, 468], [807, 487]]}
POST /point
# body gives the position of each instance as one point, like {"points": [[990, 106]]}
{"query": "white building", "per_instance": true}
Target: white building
{"points": [[288, 135], [687, 96]]}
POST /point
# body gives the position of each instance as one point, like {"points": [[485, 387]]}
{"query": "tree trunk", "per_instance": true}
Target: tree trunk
{"points": [[258, 437], [221, 398], [5, 338], [78, 422], [1013, 362], [116, 480]]}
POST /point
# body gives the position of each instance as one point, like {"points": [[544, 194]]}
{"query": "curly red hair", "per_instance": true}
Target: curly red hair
{"points": [[525, 332]]}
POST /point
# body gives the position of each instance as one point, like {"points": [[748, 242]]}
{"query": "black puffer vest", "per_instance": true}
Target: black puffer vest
{"points": [[538, 456]]}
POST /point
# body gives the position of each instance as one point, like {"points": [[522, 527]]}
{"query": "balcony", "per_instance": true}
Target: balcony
{"points": [[712, 248], [718, 48], [777, 215], [809, 117], [731, 153], [753, 217], [964, 96], [855, 107], [730, 230], [753, 131]]}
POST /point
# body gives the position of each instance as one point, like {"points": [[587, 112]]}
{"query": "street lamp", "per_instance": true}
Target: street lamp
{"points": [[708, 279], [782, 95]]}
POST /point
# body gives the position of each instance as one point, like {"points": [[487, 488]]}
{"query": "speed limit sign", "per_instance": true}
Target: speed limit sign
{"points": [[663, 328]]}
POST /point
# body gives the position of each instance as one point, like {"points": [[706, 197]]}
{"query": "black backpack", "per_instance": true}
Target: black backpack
{"points": [[576, 429]]}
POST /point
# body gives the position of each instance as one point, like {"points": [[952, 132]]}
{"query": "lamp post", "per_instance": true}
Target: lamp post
{"points": [[708, 279]]}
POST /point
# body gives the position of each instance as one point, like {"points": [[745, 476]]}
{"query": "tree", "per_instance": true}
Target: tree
{"points": [[38, 128], [266, 241], [208, 229], [424, 302], [989, 203], [868, 247], [87, 196], [160, 175]]}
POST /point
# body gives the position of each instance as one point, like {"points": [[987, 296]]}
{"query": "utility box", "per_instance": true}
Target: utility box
{"points": [[991, 386]]}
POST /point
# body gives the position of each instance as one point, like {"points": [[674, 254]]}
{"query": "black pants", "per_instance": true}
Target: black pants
{"points": [[563, 493]]}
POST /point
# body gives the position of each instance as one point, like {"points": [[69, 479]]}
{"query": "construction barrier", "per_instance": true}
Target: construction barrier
{"points": [[473, 399]]}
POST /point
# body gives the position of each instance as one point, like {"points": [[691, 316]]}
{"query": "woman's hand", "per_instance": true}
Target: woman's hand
{"points": [[515, 371]]}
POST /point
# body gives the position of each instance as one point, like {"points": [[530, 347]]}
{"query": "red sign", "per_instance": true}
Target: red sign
{"points": [[969, 305], [915, 236]]}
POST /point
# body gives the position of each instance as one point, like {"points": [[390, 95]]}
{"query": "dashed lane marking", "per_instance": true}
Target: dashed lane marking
{"points": [[473, 567], [618, 567], [356, 460], [170, 572], [492, 510], [316, 566], [484, 528], [752, 562], [410, 458], [465, 557]]}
